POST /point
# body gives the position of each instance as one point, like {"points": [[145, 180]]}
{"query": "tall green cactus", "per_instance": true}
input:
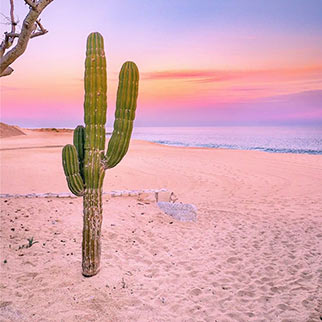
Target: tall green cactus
{"points": [[85, 161]]}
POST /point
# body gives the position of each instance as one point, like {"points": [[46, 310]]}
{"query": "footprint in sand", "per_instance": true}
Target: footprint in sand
{"points": [[112, 236], [193, 273], [245, 293], [195, 292], [233, 260]]}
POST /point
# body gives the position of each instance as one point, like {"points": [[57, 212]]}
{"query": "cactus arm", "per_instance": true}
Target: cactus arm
{"points": [[79, 143], [71, 169], [124, 114]]}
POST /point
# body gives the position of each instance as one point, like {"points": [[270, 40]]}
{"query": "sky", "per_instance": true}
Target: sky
{"points": [[202, 63]]}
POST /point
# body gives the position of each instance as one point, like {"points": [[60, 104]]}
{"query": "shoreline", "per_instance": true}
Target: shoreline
{"points": [[177, 146], [229, 149], [169, 143], [59, 133]]}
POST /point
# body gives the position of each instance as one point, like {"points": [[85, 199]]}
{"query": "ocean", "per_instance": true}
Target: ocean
{"points": [[279, 139]]}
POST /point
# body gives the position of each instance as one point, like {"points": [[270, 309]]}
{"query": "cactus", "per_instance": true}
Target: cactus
{"points": [[85, 161]]}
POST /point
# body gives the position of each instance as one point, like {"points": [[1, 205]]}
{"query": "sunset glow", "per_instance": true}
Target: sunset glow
{"points": [[201, 63]]}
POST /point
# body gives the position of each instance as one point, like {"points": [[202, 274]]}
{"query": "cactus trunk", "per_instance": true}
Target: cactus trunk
{"points": [[85, 162], [95, 118], [92, 223]]}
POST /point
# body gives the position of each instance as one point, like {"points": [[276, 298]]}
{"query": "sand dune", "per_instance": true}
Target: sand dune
{"points": [[254, 253], [9, 130]]}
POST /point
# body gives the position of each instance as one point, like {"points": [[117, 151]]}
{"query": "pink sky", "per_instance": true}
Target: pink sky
{"points": [[199, 65]]}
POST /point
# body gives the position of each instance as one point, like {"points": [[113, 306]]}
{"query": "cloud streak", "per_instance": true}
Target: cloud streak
{"points": [[218, 75]]}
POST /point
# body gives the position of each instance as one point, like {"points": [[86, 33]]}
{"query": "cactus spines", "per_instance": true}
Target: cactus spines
{"points": [[85, 162]]}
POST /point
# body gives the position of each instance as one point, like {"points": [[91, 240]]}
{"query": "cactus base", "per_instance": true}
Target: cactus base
{"points": [[92, 223]]}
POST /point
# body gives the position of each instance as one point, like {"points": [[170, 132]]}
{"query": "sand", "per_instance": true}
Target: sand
{"points": [[254, 253], [10, 130]]}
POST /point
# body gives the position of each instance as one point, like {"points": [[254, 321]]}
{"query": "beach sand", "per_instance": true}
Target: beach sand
{"points": [[254, 253]]}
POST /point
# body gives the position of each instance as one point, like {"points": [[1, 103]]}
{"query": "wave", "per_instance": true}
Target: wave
{"points": [[237, 147]]}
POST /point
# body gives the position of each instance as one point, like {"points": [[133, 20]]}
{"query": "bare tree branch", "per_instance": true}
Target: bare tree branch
{"points": [[7, 42], [12, 17], [7, 72], [31, 28], [40, 26], [33, 35], [31, 3], [37, 32]]}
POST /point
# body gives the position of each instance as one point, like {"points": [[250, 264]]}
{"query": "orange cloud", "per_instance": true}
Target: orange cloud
{"points": [[217, 75]]}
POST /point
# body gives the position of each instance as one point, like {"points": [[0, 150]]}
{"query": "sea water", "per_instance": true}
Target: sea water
{"points": [[270, 139]]}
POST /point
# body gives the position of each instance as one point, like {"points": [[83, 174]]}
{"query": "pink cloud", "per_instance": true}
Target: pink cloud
{"points": [[217, 75]]}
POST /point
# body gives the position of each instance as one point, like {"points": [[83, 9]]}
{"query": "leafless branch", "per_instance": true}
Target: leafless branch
{"points": [[7, 42], [7, 72], [12, 17], [40, 26], [31, 28], [33, 35], [39, 31], [31, 3], [5, 18]]}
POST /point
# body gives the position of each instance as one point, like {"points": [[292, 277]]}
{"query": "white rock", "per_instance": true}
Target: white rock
{"points": [[179, 211]]}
